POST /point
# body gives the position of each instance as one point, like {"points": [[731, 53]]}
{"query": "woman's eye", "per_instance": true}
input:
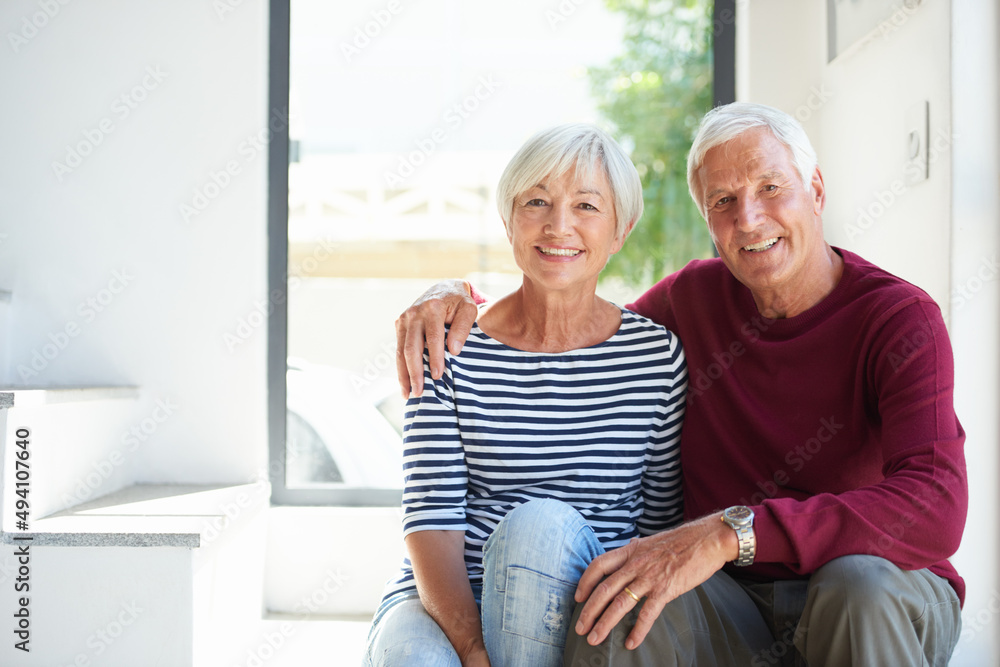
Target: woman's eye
{"points": [[588, 207], [535, 202]]}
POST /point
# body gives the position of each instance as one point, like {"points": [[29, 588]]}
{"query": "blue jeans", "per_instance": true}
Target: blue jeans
{"points": [[531, 564]]}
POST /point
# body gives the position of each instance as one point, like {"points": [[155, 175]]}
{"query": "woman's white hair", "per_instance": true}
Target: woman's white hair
{"points": [[727, 122], [563, 148]]}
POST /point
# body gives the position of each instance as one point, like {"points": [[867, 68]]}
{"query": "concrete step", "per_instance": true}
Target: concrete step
{"points": [[170, 572]]}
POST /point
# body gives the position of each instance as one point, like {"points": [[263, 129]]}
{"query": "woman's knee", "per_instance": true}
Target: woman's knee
{"points": [[407, 635], [537, 531], [542, 515]]}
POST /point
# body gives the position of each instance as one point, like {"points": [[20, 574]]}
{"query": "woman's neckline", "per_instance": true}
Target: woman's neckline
{"points": [[621, 321]]}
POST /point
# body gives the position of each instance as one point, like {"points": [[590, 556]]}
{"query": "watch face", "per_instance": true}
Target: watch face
{"points": [[739, 513]]}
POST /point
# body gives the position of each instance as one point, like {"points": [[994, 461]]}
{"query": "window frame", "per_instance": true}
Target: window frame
{"points": [[279, 61]]}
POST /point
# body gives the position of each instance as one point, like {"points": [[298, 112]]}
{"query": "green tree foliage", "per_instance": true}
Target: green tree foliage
{"points": [[654, 95]]}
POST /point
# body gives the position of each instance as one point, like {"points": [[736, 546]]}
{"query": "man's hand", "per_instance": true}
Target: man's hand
{"points": [[447, 302], [660, 568]]}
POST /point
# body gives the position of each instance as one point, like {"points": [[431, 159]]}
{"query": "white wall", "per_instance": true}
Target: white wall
{"points": [[854, 110], [940, 234], [340, 563], [166, 291], [975, 311]]}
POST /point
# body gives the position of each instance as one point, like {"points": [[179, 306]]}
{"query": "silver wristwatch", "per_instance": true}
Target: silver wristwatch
{"points": [[740, 519]]}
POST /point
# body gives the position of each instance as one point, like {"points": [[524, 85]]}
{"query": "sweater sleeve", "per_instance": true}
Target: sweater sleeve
{"points": [[434, 467], [663, 505], [915, 516]]}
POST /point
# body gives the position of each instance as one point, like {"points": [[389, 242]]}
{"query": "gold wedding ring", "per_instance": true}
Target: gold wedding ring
{"points": [[632, 595]]}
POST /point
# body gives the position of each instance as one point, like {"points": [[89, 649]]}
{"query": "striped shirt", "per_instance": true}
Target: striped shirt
{"points": [[598, 428]]}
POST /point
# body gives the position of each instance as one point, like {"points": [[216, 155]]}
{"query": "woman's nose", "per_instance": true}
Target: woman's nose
{"points": [[559, 221]]}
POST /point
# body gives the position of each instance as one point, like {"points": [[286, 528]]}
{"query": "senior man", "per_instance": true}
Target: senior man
{"points": [[824, 473]]}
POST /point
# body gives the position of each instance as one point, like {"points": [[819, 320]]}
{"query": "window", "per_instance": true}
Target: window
{"points": [[401, 120]]}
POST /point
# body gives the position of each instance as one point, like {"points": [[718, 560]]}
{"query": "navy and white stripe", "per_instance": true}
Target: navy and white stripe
{"points": [[598, 428]]}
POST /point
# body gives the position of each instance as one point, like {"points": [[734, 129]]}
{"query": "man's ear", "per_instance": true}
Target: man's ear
{"points": [[819, 191]]}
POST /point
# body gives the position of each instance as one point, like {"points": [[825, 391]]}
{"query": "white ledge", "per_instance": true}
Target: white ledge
{"points": [[26, 397], [149, 516]]}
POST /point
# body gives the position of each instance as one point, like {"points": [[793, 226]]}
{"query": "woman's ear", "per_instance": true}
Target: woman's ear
{"points": [[620, 240]]}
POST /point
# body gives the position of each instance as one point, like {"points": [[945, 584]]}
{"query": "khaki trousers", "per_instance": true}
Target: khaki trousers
{"points": [[855, 610]]}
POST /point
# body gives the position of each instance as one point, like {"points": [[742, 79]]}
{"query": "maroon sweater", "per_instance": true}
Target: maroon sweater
{"points": [[836, 426]]}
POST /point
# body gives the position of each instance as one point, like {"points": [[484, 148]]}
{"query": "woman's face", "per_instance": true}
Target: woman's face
{"points": [[563, 231]]}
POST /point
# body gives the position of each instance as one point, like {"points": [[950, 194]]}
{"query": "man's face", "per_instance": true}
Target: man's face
{"points": [[766, 226]]}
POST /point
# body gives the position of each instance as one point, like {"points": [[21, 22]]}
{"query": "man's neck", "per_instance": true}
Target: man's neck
{"points": [[824, 277]]}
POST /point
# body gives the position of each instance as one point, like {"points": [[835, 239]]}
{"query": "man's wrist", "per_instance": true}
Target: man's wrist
{"points": [[741, 519]]}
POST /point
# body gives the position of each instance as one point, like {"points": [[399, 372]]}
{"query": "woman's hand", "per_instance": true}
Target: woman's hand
{"points": [[475, 657], [447, 302], [438, 558]]}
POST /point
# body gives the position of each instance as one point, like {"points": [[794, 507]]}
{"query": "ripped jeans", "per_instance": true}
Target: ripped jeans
{"points": [[531, 563]]}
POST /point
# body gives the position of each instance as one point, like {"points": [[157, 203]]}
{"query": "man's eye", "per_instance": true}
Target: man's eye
{"points": [[770, 188], [723, 201]]}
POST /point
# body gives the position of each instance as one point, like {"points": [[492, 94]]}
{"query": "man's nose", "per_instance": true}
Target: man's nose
{"points": [[748, 214]]}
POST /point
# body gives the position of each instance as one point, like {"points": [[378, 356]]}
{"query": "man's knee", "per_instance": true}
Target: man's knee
{"points": [[865, 610], [861, 584]]}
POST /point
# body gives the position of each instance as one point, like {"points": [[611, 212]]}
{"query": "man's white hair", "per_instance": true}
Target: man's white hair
{"points": [[727, 122]]}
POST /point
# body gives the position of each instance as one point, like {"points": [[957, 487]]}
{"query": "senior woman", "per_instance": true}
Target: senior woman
{"points": [[562, 410]]}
